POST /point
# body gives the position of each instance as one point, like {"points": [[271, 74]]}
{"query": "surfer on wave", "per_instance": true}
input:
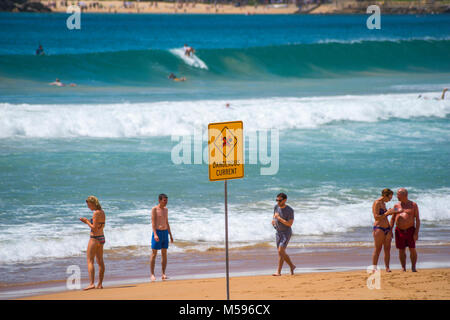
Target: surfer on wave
{"points": [[188, 51]]}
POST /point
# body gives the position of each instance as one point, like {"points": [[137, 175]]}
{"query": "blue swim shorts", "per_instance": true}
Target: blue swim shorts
{"points": [[163, 242]]}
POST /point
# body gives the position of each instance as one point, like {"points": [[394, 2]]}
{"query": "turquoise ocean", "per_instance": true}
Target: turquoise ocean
{"points": [[356, 110]]}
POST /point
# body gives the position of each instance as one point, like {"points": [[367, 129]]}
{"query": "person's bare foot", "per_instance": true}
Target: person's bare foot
{"points": [[276, 274], [292, 269], [388, 270], [99, 286], [404, 269], [92, 286], [152, 277], [414, 270], [164, 277]]}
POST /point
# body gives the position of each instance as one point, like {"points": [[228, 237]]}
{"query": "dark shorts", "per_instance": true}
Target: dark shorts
{"points": [[163, 242], [283, 238], [405, 238]]}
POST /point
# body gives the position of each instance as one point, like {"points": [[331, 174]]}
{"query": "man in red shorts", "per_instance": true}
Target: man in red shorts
{"points": [[407, 223]]}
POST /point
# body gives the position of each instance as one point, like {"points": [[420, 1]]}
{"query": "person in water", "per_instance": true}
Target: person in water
{"points": [[40, 51], [96, 242], [382, 232], [442, 95], [175, 78], [58, 83], [188, 51]]}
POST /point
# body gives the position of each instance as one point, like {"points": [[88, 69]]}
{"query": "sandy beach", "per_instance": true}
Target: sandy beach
{"points": [[433, 284], [339, 134], [161, 7]]}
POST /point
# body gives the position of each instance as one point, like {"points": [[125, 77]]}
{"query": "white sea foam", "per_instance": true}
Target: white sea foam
{"points": [[381, 39], [182, 117], [202, 228]]}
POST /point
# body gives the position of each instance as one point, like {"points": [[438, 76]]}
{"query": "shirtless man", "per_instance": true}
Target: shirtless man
{"points": [[407, 223], [160, 235]]}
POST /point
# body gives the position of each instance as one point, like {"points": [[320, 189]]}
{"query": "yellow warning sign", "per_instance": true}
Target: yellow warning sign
{"points": [[226, 150]]}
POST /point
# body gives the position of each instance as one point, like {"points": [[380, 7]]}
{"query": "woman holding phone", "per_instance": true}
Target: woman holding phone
{"points": [[382, 233], [95, 246]]}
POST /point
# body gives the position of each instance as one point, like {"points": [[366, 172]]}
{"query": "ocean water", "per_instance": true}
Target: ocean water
{"points": [[343, 99]]}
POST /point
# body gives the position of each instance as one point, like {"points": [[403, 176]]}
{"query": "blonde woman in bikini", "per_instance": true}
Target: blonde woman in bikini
{"points": [[96, 242], [382, 233]]}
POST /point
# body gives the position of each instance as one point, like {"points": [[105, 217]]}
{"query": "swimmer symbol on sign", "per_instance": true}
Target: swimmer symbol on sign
{"points": [[225, 141]]}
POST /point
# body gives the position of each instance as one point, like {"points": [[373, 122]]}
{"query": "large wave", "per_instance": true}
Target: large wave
{"points": [[315, 60], [168, 118]]}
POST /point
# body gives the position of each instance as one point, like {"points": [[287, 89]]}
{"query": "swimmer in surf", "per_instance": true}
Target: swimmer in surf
{"points": [[40, 51], [442, 95], [175, 78], [58, 83]]}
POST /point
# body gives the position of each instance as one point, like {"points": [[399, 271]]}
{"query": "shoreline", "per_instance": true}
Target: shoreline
{"points": [[342, 285], [259, 262], [114, 6], [333, 8]]}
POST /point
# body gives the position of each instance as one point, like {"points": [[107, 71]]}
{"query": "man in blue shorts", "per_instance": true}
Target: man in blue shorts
{"points": [[283, 218], [160, 235]]}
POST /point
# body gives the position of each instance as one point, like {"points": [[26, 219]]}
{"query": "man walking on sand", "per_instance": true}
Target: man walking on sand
{"points": [[160, 235], [407, 228], [283, 218]]}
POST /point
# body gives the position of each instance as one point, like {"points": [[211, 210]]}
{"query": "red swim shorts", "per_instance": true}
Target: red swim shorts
{"points": [[405, 238]]}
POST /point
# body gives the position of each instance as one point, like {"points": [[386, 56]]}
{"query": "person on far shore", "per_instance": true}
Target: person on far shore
{"points": [[96, 242], [382, 232], [160, 235], [283, 218], [407, 223]]}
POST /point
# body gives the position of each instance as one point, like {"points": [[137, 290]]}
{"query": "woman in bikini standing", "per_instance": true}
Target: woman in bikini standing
{"points": [[95, 246], [382, 233]]}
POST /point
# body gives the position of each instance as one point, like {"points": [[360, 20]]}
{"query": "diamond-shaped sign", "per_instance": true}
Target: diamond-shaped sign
{"points": [[225, 141], [226, 156]]}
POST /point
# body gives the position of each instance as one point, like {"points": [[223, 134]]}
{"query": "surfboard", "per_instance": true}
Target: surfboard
{"points": [[191, 60]]}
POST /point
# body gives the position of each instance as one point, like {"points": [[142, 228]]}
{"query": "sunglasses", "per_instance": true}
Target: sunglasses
{"points": [[279, 200]]}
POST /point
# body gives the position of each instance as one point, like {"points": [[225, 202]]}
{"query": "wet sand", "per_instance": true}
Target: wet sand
{"points": [[197, 268], [423, 285]]}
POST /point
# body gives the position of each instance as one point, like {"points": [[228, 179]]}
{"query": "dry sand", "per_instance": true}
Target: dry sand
{"points": [[425, 284], [149, 7]]}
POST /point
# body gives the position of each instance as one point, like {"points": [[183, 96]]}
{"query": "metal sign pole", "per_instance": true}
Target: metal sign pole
{"points": [[226, 241]]}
